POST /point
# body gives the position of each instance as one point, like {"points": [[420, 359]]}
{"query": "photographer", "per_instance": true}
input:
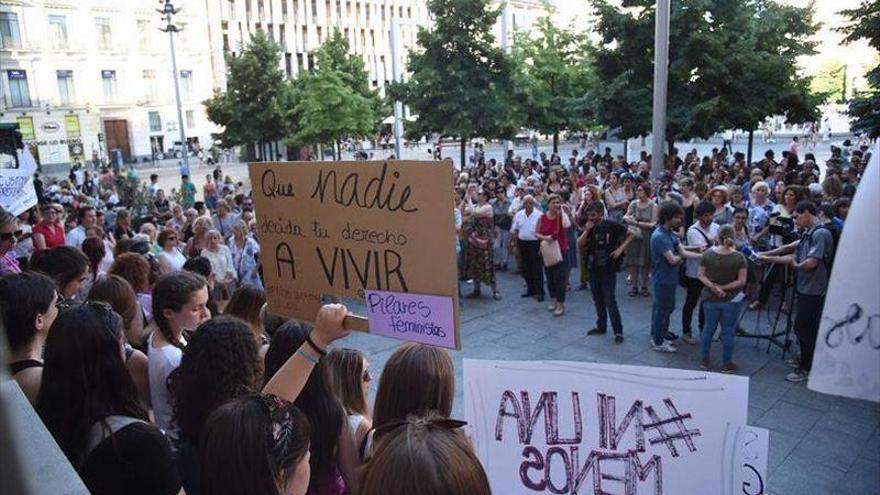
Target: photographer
{"points": [[782, 233], [809, 257]]}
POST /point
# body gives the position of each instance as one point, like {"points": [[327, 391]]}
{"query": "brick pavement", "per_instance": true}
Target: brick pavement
{"points": [[819, 444]]}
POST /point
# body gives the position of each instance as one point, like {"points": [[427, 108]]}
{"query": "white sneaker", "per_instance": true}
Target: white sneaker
{"points": [[664, 347], [797, 376]]}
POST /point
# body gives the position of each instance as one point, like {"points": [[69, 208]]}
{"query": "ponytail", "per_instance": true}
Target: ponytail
{"points": [[726, 236]]}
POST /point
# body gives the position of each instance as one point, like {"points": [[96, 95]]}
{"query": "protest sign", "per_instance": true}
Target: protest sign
{"points": [[571, 427], [342, 228], [17, 192], [747, 447], [413, 317], [847, 356]]}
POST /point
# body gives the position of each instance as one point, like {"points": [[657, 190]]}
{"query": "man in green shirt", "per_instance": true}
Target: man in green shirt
{"points": [[188, 192]]}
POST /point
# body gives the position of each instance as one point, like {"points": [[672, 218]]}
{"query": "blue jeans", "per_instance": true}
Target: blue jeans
{"points": [[664, 305], [603, 285], [727, 313]]}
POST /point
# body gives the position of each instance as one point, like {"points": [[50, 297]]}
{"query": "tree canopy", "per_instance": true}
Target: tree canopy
{"points": [[553, 73], [731, 64], [461, 83], [864, 109], [254, 105]]}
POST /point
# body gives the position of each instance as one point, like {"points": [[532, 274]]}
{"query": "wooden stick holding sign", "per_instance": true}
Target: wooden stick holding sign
{"points": [[382, 231]]}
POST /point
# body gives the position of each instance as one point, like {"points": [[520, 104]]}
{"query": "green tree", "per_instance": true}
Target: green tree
{"points": [[335, 54], [461, 83], [253, 107], [333, 101], [554, 72], [829, 83], [729, 65], [864, 109]]}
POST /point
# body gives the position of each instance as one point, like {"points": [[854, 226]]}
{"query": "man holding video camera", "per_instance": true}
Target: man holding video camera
{"points": [[810, 257]]}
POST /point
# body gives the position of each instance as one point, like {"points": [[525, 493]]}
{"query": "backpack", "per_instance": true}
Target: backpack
{"points": [[835, 231]]}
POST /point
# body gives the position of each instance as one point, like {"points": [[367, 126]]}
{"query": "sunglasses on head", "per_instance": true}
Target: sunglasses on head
{"points": [[8, 236]]}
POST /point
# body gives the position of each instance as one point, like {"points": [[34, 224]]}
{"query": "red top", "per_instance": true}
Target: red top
{"points": [[548, 226], [54, 236]]}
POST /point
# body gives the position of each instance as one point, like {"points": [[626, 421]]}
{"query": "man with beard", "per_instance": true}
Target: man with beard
{"points": [[667, 253]]}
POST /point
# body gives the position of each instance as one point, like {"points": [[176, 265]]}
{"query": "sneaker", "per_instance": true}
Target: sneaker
{"points": [[618, 339], [596, 331], [729, 368], [704, 365], [664, 347], [552, 307], [688, 339], [793, 362], [797, 376], [670, 336]]}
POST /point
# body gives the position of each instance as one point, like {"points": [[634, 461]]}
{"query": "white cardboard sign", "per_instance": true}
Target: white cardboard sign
{"points": [[17, 192], [847, 357], [747, 447], [570, 427]]}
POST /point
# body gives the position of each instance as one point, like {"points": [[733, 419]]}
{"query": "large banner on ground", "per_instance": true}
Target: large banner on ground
{"points": [[571, 427], [847, 357], [381, 230]]}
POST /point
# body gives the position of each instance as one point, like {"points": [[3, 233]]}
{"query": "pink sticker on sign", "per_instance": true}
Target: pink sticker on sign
{"points": [[413, 317]]}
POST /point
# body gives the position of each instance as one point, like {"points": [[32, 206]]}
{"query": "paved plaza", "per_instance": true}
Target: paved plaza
{"points": [[819, 444]]}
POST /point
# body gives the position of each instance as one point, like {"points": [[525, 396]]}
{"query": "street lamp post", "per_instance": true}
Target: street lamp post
{"points": [[167, 12], [661, 74], [396, 74]]}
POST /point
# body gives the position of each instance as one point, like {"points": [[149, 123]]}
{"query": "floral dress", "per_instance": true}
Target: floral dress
{"points": [[244, 259], [479, 256]]}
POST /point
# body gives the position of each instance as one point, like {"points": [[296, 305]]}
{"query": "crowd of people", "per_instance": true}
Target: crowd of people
{"points": [[141, 334], [727, 232]]}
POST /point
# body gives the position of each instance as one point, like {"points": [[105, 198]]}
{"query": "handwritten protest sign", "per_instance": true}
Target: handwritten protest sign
{"points": [[342, 228], [17, 192], [413, 317], [747, 447], [847, 356], [571, 427]]}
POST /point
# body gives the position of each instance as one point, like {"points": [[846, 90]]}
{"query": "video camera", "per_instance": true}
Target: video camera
{"points": [[783, 227]]}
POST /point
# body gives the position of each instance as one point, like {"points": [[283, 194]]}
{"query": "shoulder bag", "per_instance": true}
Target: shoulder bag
{"points": [[551, 253]]}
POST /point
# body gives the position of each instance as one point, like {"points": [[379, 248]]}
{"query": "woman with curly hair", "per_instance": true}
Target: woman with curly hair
{"points": [[220, 363]]}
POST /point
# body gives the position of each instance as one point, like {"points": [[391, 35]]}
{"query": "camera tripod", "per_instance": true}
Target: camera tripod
{"points": [[772, 332]]}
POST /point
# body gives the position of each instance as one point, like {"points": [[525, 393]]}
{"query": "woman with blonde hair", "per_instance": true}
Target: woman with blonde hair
{"points": [[245, 252], [222, 265], [723, 272]]}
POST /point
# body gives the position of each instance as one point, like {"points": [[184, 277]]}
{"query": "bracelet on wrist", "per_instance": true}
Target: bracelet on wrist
{"points": [[308, 357], [315, 346]]}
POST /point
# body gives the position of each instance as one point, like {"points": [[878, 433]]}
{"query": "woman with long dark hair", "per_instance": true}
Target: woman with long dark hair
{"points": [[67, 266], [219, 364], [334, 457], [90, 404], [271, 440]]}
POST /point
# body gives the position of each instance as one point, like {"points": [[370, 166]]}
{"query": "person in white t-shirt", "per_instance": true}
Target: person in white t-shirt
{"points": [[701, 235], [524, 227]]}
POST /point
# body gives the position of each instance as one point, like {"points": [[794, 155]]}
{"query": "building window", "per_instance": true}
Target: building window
{"points": [[145, 34], [283, 37], [305, 43], [66, 94], [284, 9], [299, 62], [260, 9], [231, 9], [190, 119], [314, 7], [9, 35], [320, 35], [155, 122], [151, 86], [102, 28], [287, 64], [108, 81], [58, 31], [186, 84], [19, 93]]}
